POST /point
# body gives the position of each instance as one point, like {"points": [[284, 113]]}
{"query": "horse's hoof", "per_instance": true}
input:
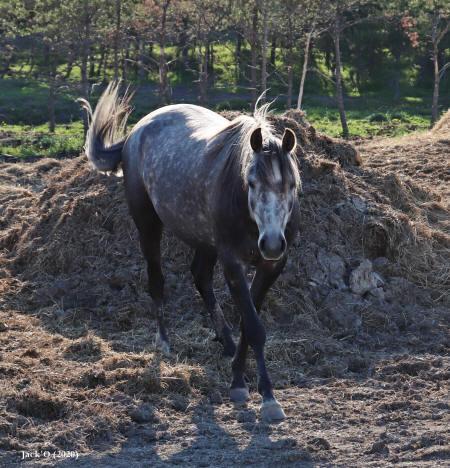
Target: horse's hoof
{"points": [[239, 395], [162, 345], [271, 411]]}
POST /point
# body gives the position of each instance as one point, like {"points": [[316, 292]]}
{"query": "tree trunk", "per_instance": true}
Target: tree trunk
{"points": [[51, 103], [435, 102], [338, 77], [69, 68], [237, 58], [290, 85], [164, 90], [254, 55], [290, 68], [203, 72], [141, 73], [116, 39], [84, 88], [101, 60], [304, 70], [91, 62], [84, 62], [125, 61], [264, 48], [212, 77], [273, 51]]}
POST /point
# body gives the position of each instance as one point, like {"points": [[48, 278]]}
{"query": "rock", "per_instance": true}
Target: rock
{"points": [[143, 414], [334, 268], [363, 279], [246, 417], [3, 327], [93, 378], [359, 204], [32, 353], [381, 265], [378, 293], [337, 315], [56, 290], [118, 281], [215, 398], [319, 443], [179, 403], [379, 447]]}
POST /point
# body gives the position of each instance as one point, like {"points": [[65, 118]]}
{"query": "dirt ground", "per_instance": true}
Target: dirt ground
{"points": [[358, 324]]}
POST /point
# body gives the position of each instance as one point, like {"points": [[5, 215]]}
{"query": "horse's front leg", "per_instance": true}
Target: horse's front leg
{"points": [[252, 334], [266, 274]]}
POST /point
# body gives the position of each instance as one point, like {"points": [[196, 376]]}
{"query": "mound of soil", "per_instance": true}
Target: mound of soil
{"points": [[358, 335], [442, 126]]}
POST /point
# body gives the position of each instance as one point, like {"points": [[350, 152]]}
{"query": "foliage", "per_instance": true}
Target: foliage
{"points": [[213, 51]]}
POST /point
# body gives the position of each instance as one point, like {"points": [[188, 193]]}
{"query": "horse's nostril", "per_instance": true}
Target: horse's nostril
{"points": [[283, 244]]}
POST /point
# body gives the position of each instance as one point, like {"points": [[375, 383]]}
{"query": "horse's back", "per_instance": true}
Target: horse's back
{"points": [[166, 152]]}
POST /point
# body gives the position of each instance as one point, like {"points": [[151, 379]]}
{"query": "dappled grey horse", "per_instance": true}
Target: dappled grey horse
{"points": [[228, 189]]}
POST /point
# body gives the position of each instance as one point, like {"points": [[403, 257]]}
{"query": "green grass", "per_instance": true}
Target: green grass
{"points": [[22, 141], [394, 123], [25, 102], [23, 114], [373, 115]]}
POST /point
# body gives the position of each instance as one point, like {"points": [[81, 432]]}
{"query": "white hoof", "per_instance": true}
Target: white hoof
{"points": [[162, 345], [239, 395], [271, 411]]}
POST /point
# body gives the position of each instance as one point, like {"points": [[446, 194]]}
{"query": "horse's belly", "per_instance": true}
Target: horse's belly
{"points": [[185, 221], [182, 207]]}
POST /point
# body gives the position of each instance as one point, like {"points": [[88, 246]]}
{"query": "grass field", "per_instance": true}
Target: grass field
{"points": [[24, 132]]}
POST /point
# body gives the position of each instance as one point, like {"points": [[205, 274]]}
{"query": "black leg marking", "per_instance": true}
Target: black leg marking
{"points": [[252, 334], [266, 274], [150, 230], [202, 269]]}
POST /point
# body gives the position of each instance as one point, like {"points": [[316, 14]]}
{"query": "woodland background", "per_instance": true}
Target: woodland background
{"points": [[357, 67]]}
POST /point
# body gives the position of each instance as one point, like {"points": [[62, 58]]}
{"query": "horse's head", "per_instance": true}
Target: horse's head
{"points": [[272, 181]]}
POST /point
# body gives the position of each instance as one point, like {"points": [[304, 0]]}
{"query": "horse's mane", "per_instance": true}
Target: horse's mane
{"points": [[233, 141]]}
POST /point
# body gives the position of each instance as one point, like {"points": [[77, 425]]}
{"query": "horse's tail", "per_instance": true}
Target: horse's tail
{"points": [[107, 128]]}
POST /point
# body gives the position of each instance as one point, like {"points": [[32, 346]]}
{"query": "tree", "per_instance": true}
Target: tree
{"points": [[343, 14], [245, 13], [439, 20], [207, 19], [44, 20], [158, 19], [264, 7]]}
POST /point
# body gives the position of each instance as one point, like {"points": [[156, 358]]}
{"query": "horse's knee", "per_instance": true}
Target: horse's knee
{"points": [[255, 333]]}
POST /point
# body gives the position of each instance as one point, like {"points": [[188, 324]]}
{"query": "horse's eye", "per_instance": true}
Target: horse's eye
{"points": [[251, 184]]}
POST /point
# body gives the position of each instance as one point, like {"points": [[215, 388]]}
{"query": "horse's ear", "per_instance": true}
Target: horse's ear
{"points": [[289, 140], [256, 141]]}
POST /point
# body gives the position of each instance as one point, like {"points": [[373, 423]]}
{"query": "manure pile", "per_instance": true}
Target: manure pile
{"points": [[357, 324]]}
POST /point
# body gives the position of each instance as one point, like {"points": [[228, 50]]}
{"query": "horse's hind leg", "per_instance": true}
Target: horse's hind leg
{"points": [[150, 230], [202, 269]]}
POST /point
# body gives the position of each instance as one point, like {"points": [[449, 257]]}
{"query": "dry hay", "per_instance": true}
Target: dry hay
{"points": [[368, 275], [442, 126]]}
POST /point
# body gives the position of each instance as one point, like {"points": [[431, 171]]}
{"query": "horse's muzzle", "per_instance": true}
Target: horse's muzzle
{"points": [[272, 245]]}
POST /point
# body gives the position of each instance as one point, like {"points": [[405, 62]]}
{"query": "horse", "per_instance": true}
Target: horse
{"points": [[226, 188]]}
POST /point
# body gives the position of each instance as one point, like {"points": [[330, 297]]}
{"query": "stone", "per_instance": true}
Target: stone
{"points": [[363, 279], [143, 414]]}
